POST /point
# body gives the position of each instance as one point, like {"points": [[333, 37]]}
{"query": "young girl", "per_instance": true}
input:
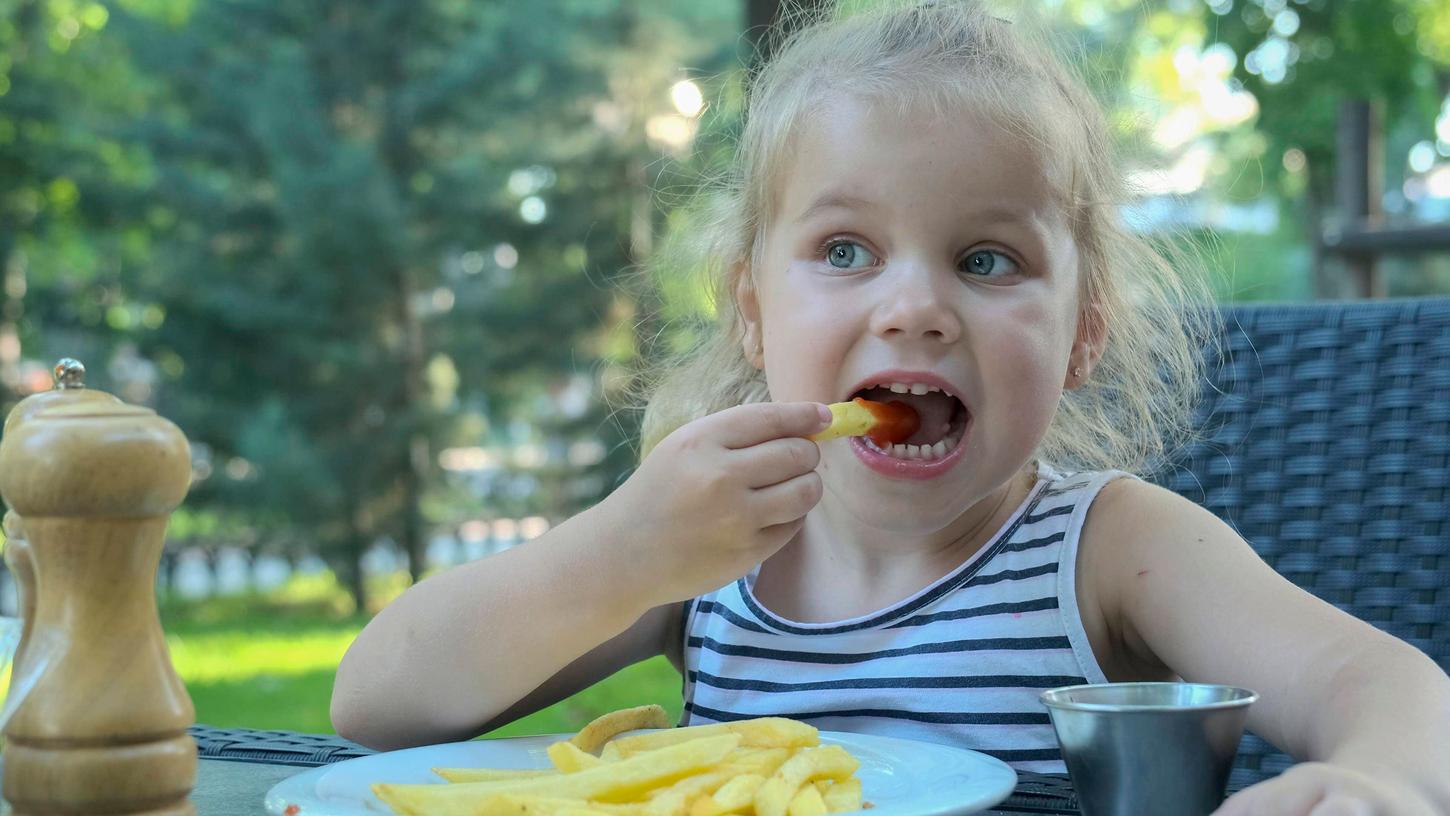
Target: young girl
{"points": [[924, 209]]}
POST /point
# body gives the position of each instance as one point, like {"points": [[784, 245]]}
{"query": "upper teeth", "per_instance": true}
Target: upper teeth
{"points": [[914, 388]]}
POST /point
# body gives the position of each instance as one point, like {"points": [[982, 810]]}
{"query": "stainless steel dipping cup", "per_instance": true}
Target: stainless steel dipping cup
{"points": [[1149, 748]]}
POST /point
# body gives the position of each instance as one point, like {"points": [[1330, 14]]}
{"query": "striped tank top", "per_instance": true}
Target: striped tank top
{"points": [[961, 662]]}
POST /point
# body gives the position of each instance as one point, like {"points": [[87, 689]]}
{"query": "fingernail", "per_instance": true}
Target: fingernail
{"points": [[825, 413]]}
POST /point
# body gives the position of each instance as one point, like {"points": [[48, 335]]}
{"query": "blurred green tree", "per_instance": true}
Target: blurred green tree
{"points": [[73, 222], [1301, 60], [396, 226]]}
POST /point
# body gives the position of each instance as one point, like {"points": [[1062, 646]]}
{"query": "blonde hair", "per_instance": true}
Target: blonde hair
{"points": [[1137, 404]]}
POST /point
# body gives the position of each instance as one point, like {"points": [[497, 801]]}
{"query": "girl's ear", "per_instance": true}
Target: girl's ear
{"points": [[751, 338], [1087, 347]]}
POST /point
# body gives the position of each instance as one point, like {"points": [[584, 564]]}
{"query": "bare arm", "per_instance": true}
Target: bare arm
{"points": [[492, 640], [495, 639], [1188, 593], [636, 643]]}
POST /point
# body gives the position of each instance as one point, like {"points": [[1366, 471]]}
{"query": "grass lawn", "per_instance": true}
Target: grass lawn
{"points": [[269, 661]]}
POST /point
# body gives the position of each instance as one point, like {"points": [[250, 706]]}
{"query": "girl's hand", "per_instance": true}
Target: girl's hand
{"points": [[1321, 789], [718, 496]]}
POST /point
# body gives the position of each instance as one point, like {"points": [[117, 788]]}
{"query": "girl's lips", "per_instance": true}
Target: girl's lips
{"points": [[895, 468]]}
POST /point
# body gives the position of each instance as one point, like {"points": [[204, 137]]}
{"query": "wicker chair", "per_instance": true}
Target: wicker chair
{"points": [[1327, 446]]}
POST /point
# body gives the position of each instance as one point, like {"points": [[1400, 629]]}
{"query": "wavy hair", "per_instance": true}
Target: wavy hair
{"points": [[952, 56]]}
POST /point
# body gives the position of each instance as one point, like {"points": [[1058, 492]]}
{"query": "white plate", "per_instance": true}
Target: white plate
{"points": [[900, 777]]}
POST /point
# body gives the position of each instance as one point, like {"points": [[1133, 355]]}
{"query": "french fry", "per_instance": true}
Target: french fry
{"points": [[593, 736], [763, 732], [807, 802], [489, 774], [759, 761], [677, 799], [884, 422], [609, 782], [843, 795], [568, 757], [827, 761], [734, 796], [768, 766]]}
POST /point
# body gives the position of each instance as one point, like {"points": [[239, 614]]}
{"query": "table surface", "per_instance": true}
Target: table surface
{"points": [[226, 788], [235, 788]]}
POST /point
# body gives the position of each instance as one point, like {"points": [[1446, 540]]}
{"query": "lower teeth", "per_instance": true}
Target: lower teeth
{"points": [[925, 452]]}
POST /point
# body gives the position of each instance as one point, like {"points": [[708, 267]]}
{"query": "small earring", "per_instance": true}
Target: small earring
{"points": [[1077, 372]]}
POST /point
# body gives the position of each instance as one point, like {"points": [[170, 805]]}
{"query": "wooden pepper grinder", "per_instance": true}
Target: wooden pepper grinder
{"points": [[93, 482], [69, 387]]}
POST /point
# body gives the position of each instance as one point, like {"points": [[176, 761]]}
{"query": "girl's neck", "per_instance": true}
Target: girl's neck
{"points": [[836, 568]]}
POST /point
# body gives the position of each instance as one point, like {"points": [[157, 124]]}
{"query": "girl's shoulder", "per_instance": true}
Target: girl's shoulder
{"points": [[1150, 561], [1115, 495], [1128, 517], [1124, 502], [1083, 486]]}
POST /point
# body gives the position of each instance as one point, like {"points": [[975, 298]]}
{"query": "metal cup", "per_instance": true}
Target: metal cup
{"points": [[1159, 748]]}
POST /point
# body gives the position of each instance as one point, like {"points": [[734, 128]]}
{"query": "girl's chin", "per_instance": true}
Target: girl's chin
{"points": [[904, 514]]}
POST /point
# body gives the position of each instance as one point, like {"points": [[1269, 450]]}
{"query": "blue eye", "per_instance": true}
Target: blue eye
{"points": [[848, 255], [987, 263]]}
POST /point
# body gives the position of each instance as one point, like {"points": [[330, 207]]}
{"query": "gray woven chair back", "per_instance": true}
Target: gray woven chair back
{"points": [[1326, 444]]}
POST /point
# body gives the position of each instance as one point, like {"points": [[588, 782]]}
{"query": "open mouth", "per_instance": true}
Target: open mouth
{"points": [[943, 416]]}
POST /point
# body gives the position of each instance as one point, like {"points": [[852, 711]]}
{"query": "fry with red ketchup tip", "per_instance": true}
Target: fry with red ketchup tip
{"points": [[887, 423]]}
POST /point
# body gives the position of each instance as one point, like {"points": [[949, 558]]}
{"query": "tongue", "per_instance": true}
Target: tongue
{"points": [[935, 410]]}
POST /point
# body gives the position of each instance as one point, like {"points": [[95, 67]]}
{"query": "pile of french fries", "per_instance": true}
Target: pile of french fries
{"points": [[768, 767]]}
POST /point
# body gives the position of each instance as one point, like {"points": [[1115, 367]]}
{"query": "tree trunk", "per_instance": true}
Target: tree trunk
{"points": [[415, 459], [402, 160], [347, 565], [213, 557], [249, 560]]}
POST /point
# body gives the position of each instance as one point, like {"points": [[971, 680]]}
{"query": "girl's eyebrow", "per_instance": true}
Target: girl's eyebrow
{"points": [[1003, 215], [828, 200], [847, 201]]}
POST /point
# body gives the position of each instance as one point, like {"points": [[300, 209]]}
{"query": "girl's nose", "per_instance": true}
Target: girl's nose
{"points": [[916, 308]]}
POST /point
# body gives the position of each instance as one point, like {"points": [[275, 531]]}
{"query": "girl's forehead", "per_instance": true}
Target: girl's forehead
{"points": [[867, 152]]}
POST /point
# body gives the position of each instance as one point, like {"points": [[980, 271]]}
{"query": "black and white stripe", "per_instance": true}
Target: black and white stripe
{"points": [[961, 662]]}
